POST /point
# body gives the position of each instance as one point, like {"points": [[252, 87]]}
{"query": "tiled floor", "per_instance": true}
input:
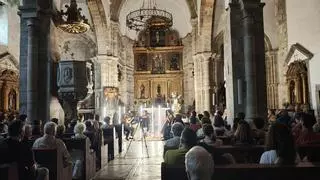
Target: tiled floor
{"points": [[135, 165]]}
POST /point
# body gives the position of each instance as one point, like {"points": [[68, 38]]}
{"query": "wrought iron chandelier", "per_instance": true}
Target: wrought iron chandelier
{"points": [[149, 17], [72, 21]]}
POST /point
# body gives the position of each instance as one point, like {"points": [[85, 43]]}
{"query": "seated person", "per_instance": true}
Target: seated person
{"points": [[78, 155], [199, 164], [243, 134], [60, 131], [106, 123], [174, 142], [48, 140], [55, 120], [210, 137], [259, 132], [188, 139], [21, 153], [204, 121], [71, 125], [218, 123], [280, 146], [303, 131]]}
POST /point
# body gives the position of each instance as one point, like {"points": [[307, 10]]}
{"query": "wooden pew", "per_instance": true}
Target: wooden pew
{"points": [[310, 150], [51, 159], [242, 154], [89, 157], [248, 171], [225, 139], [9, 171]]}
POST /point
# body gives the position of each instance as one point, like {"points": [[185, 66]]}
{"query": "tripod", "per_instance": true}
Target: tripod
{"points": [[143, 140]]}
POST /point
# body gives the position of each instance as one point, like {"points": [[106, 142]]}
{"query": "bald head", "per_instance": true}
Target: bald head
{"points": [[199, 164]]}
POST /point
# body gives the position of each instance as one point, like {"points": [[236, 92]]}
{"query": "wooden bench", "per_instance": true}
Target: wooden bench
{"points": [[312, 151], [51, 159], [9, 171], [248, 171], [242, 154], [89, 156]]}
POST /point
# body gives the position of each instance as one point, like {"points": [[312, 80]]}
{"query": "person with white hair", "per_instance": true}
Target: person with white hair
{"points": [[176, 130], [76, 154], [48, 140], [199, 164]]}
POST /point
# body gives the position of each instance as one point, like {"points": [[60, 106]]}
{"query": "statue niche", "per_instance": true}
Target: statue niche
{"points": [[297, 83], [158, 64], [175, 62], [142, 63]]}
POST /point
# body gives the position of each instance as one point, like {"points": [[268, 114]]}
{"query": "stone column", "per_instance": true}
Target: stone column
{"points": [[304, 89], [5, 94], [254, 59], [32, 71], [206, 82]]}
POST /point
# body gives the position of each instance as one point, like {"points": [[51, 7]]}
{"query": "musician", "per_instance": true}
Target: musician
{"points": [[127, 126], [145, 120]]}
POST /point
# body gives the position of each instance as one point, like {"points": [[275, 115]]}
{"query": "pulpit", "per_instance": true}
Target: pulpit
{"points": [[75, 84]]}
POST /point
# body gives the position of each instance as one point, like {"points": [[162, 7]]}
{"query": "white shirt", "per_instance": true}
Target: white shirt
{"points": [[269, 157]]}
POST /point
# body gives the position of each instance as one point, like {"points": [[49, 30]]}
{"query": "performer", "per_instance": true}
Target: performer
{"points": [[166, 129], [127, 126], [145, 120]]}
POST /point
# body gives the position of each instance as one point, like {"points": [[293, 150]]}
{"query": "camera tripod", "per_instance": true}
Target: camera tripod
{"points": [[143, 140]]}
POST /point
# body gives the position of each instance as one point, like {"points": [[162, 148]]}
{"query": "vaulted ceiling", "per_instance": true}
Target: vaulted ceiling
{"points": [[117, 4]]}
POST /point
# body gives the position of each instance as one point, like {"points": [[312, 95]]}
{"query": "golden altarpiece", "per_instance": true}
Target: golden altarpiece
{"points": [[158, 67]]}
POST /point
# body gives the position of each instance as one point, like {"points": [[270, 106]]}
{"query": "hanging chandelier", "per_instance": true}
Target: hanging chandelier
{"points": [[149, 17], [72, 21]]}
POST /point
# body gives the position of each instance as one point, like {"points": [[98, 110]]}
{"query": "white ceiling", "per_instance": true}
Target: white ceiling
{"points": [[178, 8]]}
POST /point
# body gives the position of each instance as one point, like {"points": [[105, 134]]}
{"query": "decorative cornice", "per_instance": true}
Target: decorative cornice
{"points": [[301, 49]]}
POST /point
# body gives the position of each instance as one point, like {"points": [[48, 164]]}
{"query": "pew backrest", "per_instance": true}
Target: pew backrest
{"points": [[242, 154], [9, 171], [248, 171], [48, 158], [89, 158]]}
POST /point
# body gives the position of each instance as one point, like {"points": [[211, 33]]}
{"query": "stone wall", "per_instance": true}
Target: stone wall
{"points": [[14, 32]]}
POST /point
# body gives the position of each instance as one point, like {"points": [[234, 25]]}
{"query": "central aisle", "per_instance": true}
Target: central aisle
{"points": [[136, 165]]}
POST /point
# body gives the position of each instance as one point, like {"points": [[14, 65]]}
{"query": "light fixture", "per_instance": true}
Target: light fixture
{"points": [[72, 21], [149, 17]]}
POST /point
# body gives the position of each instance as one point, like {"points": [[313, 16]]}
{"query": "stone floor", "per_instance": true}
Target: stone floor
{"points": [[135, 165]]}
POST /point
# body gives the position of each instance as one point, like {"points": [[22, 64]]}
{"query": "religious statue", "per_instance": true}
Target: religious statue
{"points": [[142, 91], [176, 102], [174, 63], [158, 64]]}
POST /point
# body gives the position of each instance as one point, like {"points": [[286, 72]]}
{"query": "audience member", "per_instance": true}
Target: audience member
{"points": [[199, 164], [303, 131], [106, 123], [204, 121], [174, 142], [194, 122], [61, 129], [48, 140], [23, 118], [272, 116], [210, 137], [77, 155], [55, 120], [218, 123], [243, 134], [259, 132], [187, 141], [284, 118], [280, 146], [71, 126]]}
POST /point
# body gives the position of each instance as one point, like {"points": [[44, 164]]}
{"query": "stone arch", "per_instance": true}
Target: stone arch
{"points": [[271, 74], [99, 20]]}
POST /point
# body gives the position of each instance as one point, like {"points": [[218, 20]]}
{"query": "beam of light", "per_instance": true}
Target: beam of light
{"points": [[119, 115], [152, 120], [159, 119]]}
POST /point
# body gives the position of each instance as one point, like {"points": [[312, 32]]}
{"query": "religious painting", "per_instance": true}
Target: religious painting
{"points": [[174, 62], [142, 89], [141, 62], [158, 64]]}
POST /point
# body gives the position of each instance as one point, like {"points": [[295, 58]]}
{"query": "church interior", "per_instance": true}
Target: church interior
{"points": [[159, 89]]}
